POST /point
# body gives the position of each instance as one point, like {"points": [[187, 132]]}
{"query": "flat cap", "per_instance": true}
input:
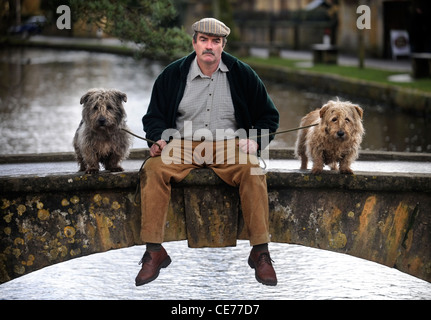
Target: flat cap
{"points": [[211, 26]]}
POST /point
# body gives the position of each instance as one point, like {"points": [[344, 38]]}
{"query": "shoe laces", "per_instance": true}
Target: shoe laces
{"points": [[145, 258], [264, 257]]}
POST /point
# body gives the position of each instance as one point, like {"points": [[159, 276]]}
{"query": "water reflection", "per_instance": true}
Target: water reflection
{"points": [[218, 273], [40, 92], [41, 89]]}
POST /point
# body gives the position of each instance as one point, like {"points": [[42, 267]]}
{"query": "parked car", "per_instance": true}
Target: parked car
{"points": [[31, 26]]}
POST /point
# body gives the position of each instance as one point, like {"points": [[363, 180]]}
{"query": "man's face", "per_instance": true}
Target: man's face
{"points": [[208, 48]]}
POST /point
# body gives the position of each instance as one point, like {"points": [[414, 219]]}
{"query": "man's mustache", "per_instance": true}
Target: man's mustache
{"points": [[208, 51]]}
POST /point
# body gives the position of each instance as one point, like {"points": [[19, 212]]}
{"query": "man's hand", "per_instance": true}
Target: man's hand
{"points": [[155, 150], [248, 146]]}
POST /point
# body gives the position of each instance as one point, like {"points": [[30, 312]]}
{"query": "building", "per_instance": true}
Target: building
{"points": [[297, 24]]}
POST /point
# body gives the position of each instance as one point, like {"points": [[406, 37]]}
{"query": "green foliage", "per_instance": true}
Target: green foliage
{"points": [[152, 24]]}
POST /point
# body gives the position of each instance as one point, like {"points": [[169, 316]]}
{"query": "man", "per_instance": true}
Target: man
{"points": [[193, 100]]}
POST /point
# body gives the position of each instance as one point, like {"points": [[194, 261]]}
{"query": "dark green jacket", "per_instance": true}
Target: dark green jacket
{"points": [[254, 108]]}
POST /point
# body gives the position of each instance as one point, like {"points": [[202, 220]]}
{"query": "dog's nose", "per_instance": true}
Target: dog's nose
{"points": [[340, 133], [101, 121]]}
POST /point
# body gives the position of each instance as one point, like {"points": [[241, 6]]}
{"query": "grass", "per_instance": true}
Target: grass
{"points": [[366, 74]]}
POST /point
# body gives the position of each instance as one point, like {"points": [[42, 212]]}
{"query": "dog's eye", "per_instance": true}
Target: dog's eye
{"points": [[109, 107], [334, 119], [347, 120], [95, 108]]}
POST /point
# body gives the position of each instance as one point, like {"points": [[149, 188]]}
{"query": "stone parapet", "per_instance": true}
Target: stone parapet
{"points": [[380, 217]]}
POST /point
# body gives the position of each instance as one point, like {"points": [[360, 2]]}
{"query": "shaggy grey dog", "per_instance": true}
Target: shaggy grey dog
{"points": [[99, 137]]}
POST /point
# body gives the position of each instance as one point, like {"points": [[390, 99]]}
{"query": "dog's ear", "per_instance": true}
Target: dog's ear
{"points": [[359, 111], [324, 109], [121, 95], [85, 97]]}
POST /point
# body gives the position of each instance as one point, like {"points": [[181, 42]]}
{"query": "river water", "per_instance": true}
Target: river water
{"points": [[39, 112], [218, 273], [40, 92]]}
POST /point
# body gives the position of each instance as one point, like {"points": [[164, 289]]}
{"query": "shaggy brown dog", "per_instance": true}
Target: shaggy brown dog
{"points": [[99, 137], [336, 138]]}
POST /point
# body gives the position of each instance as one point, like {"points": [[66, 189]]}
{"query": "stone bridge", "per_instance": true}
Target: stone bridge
{"points": [[382, 217]]}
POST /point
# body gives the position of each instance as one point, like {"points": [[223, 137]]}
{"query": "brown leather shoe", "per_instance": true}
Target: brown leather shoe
{"points": [[152, 262], [262, 263]]}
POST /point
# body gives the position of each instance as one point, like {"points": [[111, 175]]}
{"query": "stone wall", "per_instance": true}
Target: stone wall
{"points": [[380, 217]]}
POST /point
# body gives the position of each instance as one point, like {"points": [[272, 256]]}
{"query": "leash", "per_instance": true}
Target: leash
{"points": [[285, 131], [135, 197], [154, 142], [279, 132], [142, 138], [259, 136]]}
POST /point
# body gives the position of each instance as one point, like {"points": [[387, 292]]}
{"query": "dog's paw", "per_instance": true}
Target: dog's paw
{"points": [[92, 171], [316, 170], [116, 169], [346, 171]]}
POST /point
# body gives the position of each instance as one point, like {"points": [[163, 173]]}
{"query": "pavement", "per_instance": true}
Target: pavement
{"points": [[68, 167], [401, 65]]}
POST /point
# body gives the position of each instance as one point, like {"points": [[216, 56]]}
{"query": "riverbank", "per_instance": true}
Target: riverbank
{"points": [[389, 95], [108, 45], [403, 96]]}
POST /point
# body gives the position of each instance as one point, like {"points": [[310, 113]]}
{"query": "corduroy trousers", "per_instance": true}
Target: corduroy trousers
{"points": [[234, 167]]}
